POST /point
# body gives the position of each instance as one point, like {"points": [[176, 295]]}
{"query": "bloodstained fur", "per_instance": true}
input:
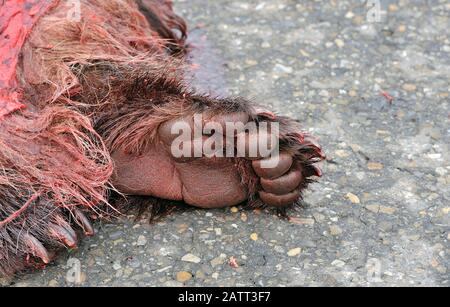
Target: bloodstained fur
{"points": [[91, 87]]}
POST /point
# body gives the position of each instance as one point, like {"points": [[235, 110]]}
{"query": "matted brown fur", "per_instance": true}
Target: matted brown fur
{"points": [[52, 158], [92, 86]]}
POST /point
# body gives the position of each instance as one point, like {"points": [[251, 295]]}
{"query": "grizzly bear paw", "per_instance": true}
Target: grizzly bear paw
{"points": [[270, 163]]}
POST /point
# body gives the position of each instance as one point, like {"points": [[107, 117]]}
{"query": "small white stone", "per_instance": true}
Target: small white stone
{"points": [[279, 68], [360, 175], [265, 45], [335, 230], [434, 156], [164, 269], [441, 171], [260, 6], [324, 93], [349, 15], [218, 260], [294, 252], [339, 42], [191, 258], [117, 266], [141, 241], [338, 263]]}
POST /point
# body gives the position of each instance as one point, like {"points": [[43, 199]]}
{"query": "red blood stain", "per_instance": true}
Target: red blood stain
{"points": [[233, 263], [386, 95], [17, 18]]}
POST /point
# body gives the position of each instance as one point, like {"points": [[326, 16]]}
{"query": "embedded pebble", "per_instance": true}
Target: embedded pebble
{"points": [[339, 42], [279, 68], [342, 153], [302, 221], [191, 258], [142, 240], [294, 252], [338, 263], [374, 166], [409, 87], [353, 198], [218, 260], [335, 230], [183, 276]]}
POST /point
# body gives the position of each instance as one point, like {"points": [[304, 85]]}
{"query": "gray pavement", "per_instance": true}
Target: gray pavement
{"points": [[380, 216]]}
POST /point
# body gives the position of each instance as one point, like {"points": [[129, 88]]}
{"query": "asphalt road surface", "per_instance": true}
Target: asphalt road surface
{"points": [[374, 87]]}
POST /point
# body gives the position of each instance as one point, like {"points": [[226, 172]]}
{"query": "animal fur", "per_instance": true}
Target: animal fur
{"points": [[89, 87]]}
